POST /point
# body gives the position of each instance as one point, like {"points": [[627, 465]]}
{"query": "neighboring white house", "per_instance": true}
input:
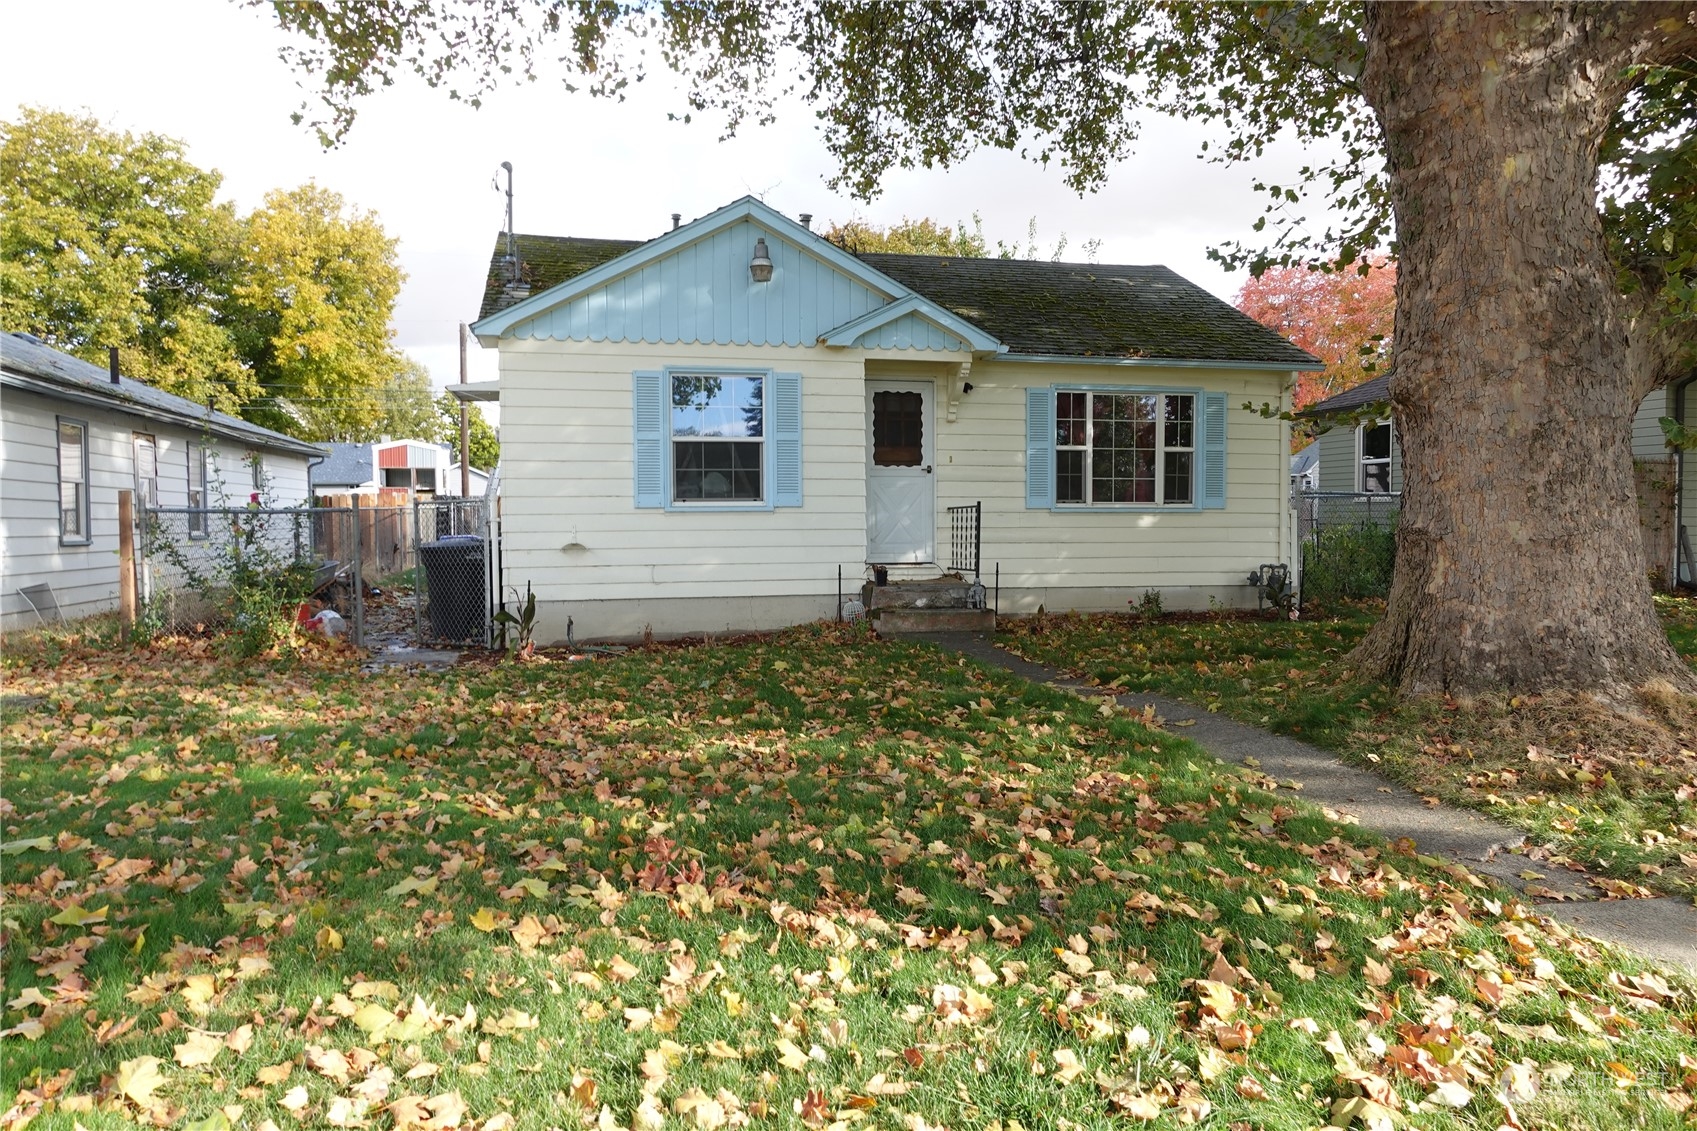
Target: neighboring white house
{"points": [[699, 431], [424, 468], [477, 481], [1365, 456], [72, 437]]}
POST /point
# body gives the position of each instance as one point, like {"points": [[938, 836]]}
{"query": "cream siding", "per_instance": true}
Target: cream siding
{"points": [[567, 479], [1090, 558], [571, 530]]}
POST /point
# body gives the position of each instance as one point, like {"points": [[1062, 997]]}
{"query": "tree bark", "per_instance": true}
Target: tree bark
{"points": [[1519, 564]]}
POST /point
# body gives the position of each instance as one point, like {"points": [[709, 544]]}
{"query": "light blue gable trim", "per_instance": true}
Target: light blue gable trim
{"points": [[659, 285], [913, 322]]}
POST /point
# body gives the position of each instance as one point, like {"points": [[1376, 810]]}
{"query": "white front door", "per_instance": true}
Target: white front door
{"points": [[901, 504]]}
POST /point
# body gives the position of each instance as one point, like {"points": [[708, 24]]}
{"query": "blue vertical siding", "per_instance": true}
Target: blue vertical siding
{"points": [[702, 293]]}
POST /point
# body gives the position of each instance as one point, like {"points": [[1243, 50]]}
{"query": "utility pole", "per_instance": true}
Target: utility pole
{"points": [[465, 425]]}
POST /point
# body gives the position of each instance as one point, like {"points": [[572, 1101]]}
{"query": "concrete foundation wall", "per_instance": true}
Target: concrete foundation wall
{"points": [[671, 618]]}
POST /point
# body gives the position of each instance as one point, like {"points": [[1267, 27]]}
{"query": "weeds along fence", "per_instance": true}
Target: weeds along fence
{"points": [[1348, 543], [241, 569]]}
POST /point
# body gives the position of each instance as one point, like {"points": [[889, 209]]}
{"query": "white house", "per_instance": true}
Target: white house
{"points": [[421, 467], [72, 436], [700, 430], [1361, 452]]}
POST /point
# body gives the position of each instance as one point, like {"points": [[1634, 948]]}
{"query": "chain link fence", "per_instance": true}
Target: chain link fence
{"points": [[210, 568], [395, 576], [1348, 543]]}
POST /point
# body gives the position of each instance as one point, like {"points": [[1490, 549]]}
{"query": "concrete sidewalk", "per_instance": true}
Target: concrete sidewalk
{"points": [[1661, 929]]}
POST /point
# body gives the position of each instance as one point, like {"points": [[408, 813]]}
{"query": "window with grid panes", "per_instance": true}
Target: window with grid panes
{"points": [[1130, 448]]}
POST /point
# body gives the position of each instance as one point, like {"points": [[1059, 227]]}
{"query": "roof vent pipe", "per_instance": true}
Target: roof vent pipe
{"points": [[112, 357], [677, 218], [807, 220]]}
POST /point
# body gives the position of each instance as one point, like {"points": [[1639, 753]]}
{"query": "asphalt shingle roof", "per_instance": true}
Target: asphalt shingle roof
{"points": [[545, 261], [28, 357], [1033, 307], [348, 465], [1366, 393], [1090, 309]]}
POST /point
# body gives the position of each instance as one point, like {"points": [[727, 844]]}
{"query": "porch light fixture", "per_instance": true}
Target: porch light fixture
{"points": [[760, 267]]}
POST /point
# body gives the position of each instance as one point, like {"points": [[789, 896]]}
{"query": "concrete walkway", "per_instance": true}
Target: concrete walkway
{"points": [[1661, 929]]}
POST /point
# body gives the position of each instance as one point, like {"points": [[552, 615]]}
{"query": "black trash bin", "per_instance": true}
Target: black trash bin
{"points": [[453, 572]]}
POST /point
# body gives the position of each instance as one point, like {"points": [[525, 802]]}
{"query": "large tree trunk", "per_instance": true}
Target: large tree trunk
{"points": [[1519, 565]]}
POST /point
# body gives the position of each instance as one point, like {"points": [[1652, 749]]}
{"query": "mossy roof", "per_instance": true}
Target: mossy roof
{"points": [[1033, 307]]}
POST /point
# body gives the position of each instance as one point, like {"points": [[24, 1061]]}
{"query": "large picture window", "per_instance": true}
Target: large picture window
{"points": [[73, 483], [718, 438], [1115, 449], [1376, 458]]}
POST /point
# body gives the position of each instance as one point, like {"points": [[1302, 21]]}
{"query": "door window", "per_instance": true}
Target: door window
{"points": [[898, 428]]}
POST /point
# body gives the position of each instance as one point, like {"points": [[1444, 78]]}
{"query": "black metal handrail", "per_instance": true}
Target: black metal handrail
{"points": [[966, 538]]}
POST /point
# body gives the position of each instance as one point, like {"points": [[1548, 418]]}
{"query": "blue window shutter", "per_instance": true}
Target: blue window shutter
{"points": [[648, 401], [1213, 451], [1039, 448], [785, 433]]}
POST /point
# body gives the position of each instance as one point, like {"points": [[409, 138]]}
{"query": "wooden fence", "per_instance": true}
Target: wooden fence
{"points": [[385, 532]]}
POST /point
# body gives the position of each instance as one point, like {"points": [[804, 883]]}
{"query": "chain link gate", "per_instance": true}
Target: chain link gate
{"points": [[456, 582]]}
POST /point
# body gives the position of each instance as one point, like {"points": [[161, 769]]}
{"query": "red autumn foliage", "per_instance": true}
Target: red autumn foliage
{"points": [[1342, 317]]}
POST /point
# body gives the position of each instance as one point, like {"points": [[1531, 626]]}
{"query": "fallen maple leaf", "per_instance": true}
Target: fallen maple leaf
{"points": [[790, 1055], [273, 1074], [199, 1049], [1067, 1066], [327, 1062], [75, 916], [138, 1079]]}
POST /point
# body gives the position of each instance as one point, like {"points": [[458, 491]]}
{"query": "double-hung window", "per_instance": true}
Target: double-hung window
{"points": [[73, 483], [1376, 458], [718, 429], [706, 439], [146, 451], [1125, 448], [197, 490]]}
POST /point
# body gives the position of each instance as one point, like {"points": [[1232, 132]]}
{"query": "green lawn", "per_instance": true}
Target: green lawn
{"points": [[812, 881], [1617, 798]]}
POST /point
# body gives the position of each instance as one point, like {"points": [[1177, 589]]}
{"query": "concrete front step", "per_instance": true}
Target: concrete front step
{"points": [[922, 622], [940, 593]]}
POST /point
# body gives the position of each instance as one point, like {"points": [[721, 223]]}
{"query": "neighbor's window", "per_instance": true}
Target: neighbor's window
{"points": [[73, 482], [1120, 448], [257, 463], [146, 451], [718, 429], [197, 490], [1376, 458]]}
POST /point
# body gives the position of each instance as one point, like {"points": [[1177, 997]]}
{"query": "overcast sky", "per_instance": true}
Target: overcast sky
{"points": [[207, 72]]}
